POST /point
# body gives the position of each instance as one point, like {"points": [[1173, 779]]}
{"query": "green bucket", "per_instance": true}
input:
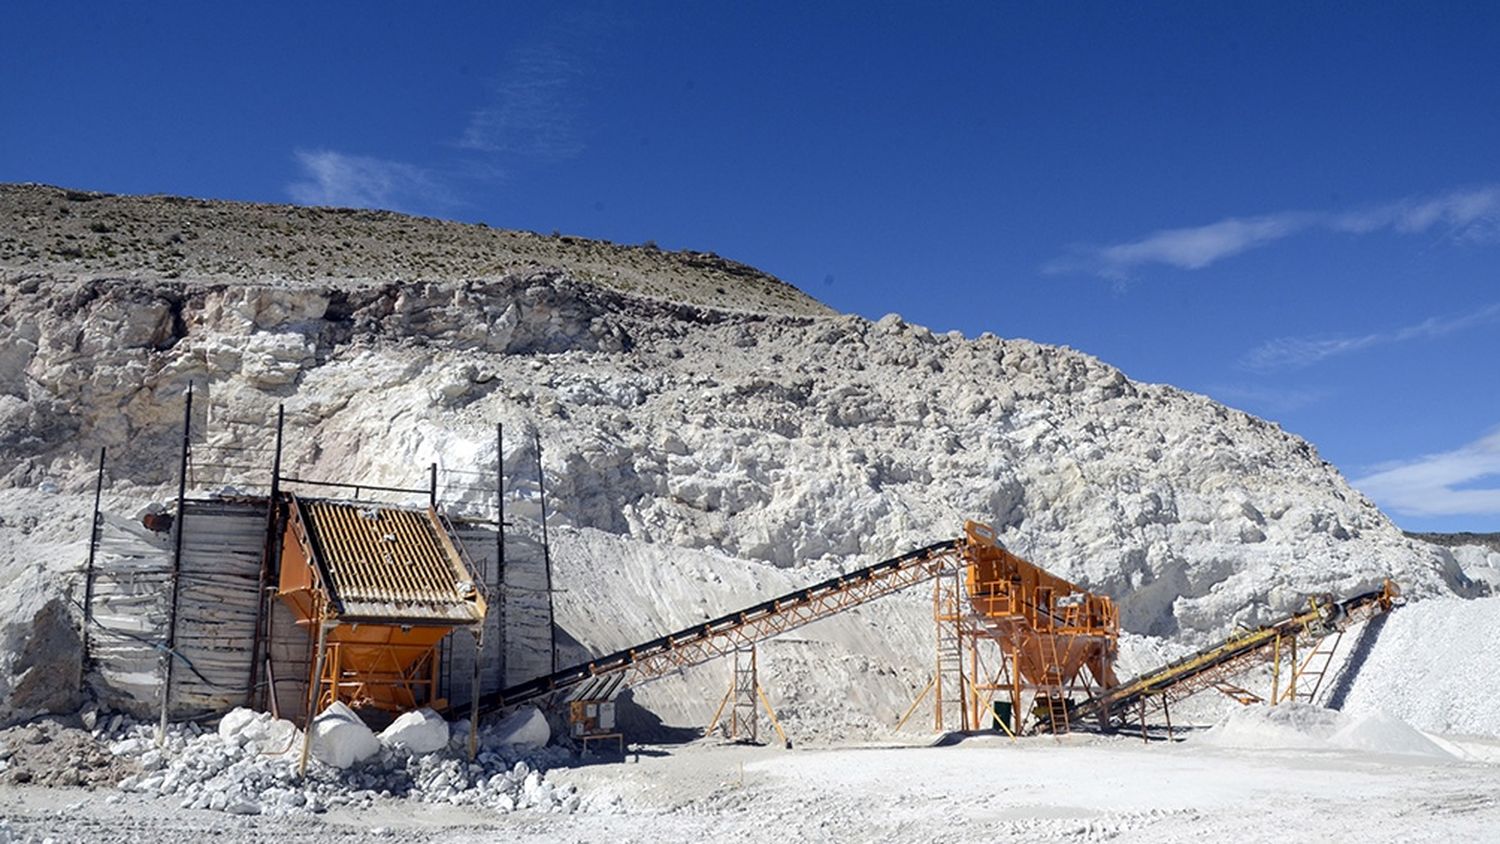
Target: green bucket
{"points": [[1002, 713]]}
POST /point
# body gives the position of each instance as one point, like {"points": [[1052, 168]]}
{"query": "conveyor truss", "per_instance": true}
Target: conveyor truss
{"points": [[1010, 637], [1051, 636], [1317, 631]]}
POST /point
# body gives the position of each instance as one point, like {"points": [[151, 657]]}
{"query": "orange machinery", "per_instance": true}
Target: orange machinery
{"points": [[1054, 638], [378, 588]]}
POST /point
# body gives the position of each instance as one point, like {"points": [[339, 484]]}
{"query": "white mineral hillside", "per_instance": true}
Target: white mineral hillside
{"points": [[703, 405]]}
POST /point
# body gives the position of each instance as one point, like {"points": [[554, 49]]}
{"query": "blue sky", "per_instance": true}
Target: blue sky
{"points": [[1294, 208]]}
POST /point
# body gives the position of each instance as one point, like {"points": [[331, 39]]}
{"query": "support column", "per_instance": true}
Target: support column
{"points": [[497, 600], [978, 721], [744, 722], [478, 634], [541, 486], [269, 568], [314, 694], [948, 687], [1016, 718], [168, 656], [1291, 687], [88, 572], [1276, 671]]}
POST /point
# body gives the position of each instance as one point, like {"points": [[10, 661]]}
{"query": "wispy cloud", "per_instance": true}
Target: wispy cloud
{"points": [[1471, 215], [357, 181], [532, 112], [1294, 352], [1440, 484]]}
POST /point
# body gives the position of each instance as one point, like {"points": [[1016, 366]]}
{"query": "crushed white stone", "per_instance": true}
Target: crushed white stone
{"points": [[249, 767]]}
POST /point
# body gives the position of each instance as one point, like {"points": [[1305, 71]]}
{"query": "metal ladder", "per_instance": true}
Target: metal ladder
{"points": [[1314, 668], [1056, 695], [948, 682]]}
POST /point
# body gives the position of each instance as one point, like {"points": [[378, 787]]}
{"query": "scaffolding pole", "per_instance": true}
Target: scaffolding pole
{"points": [[88, 572], [270, 551], [541, 486], [171, 644], [499, 601]]}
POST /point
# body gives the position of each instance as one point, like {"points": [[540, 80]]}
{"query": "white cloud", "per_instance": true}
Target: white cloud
{"points": [[1195, 248], [532, 112], [357, 181], [1430, 485], [1291, 352], [1466, 215]]}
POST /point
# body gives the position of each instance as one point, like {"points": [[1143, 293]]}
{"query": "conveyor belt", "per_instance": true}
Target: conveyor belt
{"points": [[1243, 647], [711, 639]]}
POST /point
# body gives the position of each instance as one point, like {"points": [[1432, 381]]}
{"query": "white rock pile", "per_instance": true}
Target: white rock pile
{"points": [[758, 435], [249, 765], [1301, 726]]}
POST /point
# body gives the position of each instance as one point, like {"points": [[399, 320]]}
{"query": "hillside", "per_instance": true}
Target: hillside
{"points": [[70, 234], [755, 440]]}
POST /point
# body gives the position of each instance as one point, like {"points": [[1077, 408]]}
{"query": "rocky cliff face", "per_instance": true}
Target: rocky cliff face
{"points": [[779, 435], [712, 437]]}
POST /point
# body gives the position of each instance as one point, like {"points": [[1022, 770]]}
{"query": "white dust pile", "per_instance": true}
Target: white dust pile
{"points": [[1301, 726], [1436, 665]]}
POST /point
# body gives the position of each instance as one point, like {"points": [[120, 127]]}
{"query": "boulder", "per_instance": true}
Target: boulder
{"points": [[340, 739], [420, 731], [232, 727], [526, 728]]}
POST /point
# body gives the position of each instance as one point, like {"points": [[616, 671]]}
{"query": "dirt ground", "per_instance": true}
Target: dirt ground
{"points": [[1078, 788]]}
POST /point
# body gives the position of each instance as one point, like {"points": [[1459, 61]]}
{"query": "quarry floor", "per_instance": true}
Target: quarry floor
{"points": [[1077, 788]]}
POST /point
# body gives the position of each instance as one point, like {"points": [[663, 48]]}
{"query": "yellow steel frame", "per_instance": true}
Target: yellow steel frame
{"points": [[1276, 643], [1053, 638], [413, 680]]}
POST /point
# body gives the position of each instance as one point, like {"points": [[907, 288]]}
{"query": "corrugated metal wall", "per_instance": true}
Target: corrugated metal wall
{"points": [[222, 548], [528, 637], [458, 649], [291, 662], [521, 607]]}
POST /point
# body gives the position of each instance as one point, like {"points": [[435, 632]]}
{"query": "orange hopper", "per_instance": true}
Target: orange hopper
{"points": [[1051, 628], [378, 588]]}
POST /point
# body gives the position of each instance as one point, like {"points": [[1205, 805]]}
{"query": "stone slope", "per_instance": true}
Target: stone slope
{"points": [[791, 441], [704, 449], [82, 235], [1490, 541]]}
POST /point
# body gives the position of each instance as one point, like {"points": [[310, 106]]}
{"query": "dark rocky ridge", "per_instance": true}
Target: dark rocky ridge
{"points": [[1455, 540]]}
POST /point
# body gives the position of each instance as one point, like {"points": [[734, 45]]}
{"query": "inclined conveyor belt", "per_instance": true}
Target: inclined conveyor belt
{"points": [[1240, 645], [741, 622]]}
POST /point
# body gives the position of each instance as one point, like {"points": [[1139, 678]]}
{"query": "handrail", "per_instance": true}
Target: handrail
{"points": [[356, 487]]}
